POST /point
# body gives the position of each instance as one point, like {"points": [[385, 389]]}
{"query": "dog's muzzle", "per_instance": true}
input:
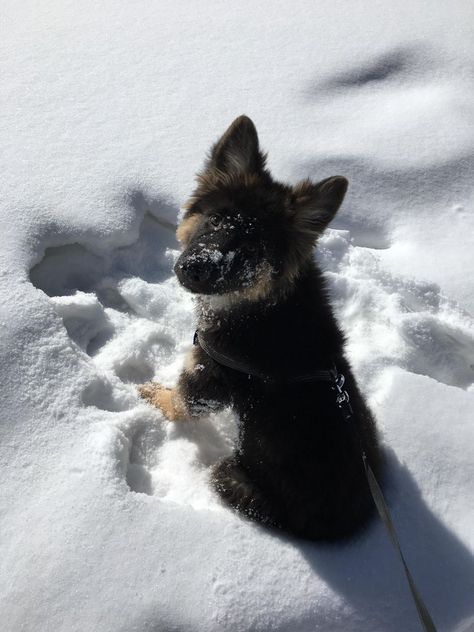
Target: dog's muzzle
{"points": [[207, 270], [193, 270]]}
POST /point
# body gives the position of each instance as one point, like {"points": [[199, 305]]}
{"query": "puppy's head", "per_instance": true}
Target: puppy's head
{"points": [[243, 234]]}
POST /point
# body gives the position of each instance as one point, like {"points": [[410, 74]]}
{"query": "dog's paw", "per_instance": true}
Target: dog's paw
{"points": [[149, 390], [165, 399]]}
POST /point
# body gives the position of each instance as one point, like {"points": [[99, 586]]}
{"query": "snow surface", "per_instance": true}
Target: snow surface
{"points": [[107, 520]]}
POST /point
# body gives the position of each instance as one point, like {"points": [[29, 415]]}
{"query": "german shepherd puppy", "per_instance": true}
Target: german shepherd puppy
{"points": [[248, 256]]}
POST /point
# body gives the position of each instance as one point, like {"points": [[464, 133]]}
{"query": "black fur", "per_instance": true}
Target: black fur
{"points": [[298, 463]]}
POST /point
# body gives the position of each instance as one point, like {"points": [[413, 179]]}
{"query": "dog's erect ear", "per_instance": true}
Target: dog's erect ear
{"points": [[237, 152], [313, 206]]}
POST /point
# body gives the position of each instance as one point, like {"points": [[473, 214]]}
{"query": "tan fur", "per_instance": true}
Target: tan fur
{"points": [[187, 227], [260, 290], [167, 400]]}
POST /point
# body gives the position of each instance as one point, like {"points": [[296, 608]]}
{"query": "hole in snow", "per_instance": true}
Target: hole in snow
{"points": [[86, 291], [143, 442], [135, 371], [109, 296], [66, 269], [101, 394]]}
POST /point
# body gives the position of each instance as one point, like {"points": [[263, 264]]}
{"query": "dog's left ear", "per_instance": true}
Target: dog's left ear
{"points": [[237, 152], [313, 206]]}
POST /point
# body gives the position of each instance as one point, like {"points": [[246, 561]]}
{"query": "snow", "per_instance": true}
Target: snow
{"points": [[107, 519]]}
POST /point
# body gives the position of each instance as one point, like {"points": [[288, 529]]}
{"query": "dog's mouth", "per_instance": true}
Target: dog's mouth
{"points": [[208, 270]]}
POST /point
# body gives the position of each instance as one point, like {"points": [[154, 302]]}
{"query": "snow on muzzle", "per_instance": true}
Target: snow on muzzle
{"points": [[207, 270]]}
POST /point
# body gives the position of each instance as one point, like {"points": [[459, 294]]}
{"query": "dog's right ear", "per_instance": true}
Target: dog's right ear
{"points": [[315, 205], [237, 152]]}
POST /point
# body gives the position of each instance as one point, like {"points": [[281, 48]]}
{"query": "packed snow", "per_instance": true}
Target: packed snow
{"points": [[107, 519]]}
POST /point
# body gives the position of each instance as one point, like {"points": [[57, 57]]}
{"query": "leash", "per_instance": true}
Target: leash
{"points": [[379, 500], [337, 381]]}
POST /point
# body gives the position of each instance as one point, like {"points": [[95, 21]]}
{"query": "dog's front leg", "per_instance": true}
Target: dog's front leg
{"points": [[200, 390], [168, 400]]}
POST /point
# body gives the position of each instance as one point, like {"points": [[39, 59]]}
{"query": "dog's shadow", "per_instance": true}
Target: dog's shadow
{"points": [[368, 574]]}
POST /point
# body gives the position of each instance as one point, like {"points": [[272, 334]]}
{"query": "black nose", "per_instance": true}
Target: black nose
{"points": [[195, 270]]}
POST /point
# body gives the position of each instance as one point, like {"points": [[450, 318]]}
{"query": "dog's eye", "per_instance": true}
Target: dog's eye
{"points": [[215, 220]]}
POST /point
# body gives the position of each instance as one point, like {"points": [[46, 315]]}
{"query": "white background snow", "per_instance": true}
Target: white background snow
{"points": [[107, 520]]}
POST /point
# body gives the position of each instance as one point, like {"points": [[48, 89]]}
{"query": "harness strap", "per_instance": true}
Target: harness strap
{"points": [[343, 403], [242, 367]]}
